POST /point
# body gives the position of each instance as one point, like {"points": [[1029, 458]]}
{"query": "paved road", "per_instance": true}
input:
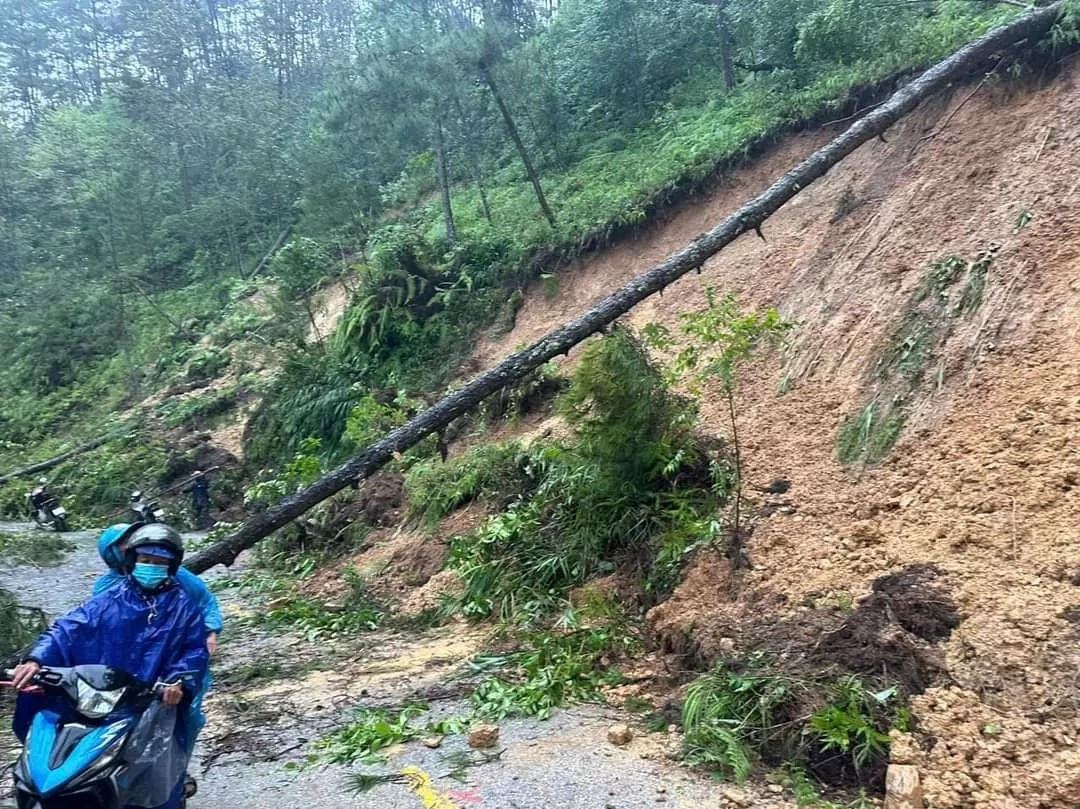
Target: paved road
{"points": [[563, 763]]}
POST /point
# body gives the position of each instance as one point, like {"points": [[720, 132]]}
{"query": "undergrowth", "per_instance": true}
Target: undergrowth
{"points": [[19, 627], [951, 291], [634, 490], [739, 715], [33, 548]]}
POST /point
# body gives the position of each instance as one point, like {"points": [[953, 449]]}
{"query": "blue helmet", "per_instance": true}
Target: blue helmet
{"points": [[108, 541]]}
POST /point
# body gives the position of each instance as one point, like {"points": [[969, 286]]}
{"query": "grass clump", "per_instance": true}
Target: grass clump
{"points": [[869, 435], [951, 290], [837, 729], [492, 473]]}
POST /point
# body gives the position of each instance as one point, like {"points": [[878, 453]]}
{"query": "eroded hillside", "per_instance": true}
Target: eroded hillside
{"points": [[984, 388]]}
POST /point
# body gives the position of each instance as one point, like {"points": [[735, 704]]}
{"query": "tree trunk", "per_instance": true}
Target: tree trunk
{"points": [[512, 130], [561, 340], [727, 44], [44, 466], [443, 179]]}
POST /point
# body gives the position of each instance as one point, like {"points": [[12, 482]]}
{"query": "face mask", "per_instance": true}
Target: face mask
{"points": [[149, 576]]}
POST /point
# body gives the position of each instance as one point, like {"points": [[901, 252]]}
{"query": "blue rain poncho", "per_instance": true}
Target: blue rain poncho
{"points": [[156, 637]]}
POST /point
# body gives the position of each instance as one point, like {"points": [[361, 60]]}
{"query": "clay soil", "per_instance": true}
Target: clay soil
{"points": [[983, 481]]}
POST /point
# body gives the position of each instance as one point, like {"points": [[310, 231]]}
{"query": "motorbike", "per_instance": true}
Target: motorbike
{"points": [[90, 748], [145, 511], [45, 509]]}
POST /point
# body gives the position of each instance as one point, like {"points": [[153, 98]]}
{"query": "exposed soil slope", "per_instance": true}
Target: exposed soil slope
{"points": [[983, 480]]}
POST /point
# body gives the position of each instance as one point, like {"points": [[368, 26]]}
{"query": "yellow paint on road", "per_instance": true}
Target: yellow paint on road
{"points": [[420, 783]]}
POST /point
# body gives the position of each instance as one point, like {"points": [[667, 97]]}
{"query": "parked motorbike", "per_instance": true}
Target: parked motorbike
{"points": [[97, 746], [145, 511], [45, 509]]}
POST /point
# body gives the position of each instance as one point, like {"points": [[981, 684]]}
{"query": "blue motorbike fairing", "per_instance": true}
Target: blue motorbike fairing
{"points": [[46, 779]]}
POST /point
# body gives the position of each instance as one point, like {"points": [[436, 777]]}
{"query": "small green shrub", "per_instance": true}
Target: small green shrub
{"points": [[207, 363], [867, 436]]}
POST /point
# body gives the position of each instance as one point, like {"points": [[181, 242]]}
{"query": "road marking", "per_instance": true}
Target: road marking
{"points": [[420, 783]]}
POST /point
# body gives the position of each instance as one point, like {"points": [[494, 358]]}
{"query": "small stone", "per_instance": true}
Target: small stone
{"points": [[483, 736], [776, 789], [277, 604], [332, 606], [433, 742], [902, 787], [735, 797], [620, 735]]}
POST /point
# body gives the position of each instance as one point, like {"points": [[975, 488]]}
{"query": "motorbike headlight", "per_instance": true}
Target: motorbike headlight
{"points": [[95, 704]]}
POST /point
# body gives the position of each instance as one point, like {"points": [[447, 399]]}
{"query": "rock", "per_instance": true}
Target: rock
{"points": [[776, 789], [483, 736], [619, 735], [433, 742], [278, 604], [902, 787], [735, 797]]}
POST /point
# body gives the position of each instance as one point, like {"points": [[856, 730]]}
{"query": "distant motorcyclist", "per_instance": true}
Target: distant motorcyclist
{"points": [[45, 508], [147, 626], [39, 495]]}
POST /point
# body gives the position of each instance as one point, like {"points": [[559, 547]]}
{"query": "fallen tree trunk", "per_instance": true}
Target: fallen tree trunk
{"points": [[44, 466], [747, 218]]}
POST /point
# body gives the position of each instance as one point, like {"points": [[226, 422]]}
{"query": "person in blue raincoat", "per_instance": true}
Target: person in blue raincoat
{"points": [[147, 626], [112, 544]]}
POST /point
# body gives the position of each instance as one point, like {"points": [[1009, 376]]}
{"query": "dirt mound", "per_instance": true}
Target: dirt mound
{"points": [[892, 632], [890, 636], [382, 500], [401, 567]]}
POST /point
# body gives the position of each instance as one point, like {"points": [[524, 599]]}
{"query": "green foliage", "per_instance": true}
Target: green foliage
{"points": [[494, 473], [317, 622], [299, 267], [728, 717], [867, 436], [19, 627], [739, 714], [370, 731], [718, 341], [303, 470], [548, 671], [634, 488], [851, 724], [622, 411]]}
